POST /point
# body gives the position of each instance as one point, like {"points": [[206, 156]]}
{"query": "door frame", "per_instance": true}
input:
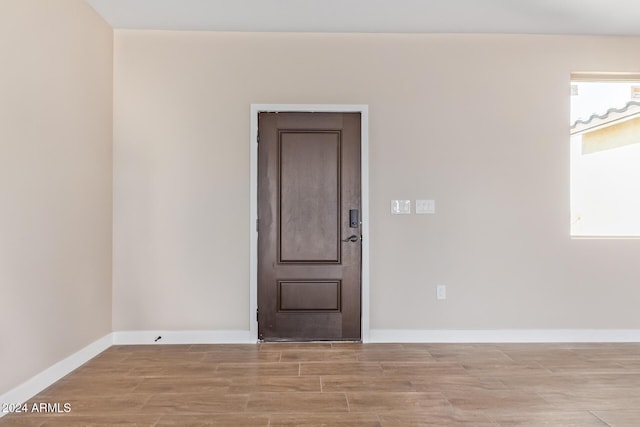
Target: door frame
{"points": [[256, 109]]}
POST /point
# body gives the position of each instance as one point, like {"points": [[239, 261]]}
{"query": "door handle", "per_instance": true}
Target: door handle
{"points": [[352, 238]]}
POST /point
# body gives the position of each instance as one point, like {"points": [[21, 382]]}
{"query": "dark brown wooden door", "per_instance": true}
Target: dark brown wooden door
{"points": [[309, 271]]}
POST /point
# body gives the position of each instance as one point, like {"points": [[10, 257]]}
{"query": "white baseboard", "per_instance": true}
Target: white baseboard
{"points": [[44, 379], [504, 336], [396, 335], [50, 375], [183, 337]]}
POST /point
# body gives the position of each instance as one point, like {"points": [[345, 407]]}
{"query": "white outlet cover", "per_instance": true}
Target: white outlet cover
{"points": [[425, 206], [400, 207]]}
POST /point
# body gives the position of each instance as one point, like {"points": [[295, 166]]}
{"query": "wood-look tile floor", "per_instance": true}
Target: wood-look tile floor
{"points": [[348, 384]]}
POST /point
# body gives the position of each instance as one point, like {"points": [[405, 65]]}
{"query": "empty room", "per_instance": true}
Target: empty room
{"points": [[307, 213]]}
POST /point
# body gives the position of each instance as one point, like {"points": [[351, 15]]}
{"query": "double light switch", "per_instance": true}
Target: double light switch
{"points": [[403, 207]]}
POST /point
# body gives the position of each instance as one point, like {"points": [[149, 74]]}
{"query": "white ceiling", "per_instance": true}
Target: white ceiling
{"points": [[603, 17]]}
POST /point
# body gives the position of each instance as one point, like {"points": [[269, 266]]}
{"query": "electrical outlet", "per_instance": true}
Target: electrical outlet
{"points": [[441, 292]]}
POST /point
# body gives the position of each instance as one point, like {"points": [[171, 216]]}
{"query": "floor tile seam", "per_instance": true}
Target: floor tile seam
{"points": [[493, 415], [174, 376], [507, 356], [301, 393], [76, 396], [613, 387], [253, 362], [591, 401], [222, 391], [430, 394], [448, 394], [93, 414], [379, 418], [551, 404], [222, 414], [245, 407], [547, 369], [197, 393], [597, 417], [598, 388], [451, 406], [158, 418], [273, 414], [188, 412], [44, 421]]}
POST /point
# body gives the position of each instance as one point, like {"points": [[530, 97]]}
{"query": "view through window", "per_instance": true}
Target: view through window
{"points": [[605, 157]]}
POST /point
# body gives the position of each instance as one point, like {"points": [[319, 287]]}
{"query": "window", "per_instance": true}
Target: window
{"points": [[605, 155]]}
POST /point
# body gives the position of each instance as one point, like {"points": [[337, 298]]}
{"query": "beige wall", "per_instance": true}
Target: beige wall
{"points": [[55, 183], [478, 123]]}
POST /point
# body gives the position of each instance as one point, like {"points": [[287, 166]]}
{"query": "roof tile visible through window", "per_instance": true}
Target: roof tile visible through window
{"points": [[610, 117]]}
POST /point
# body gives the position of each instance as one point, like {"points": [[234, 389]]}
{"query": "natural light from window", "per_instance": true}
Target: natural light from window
{"points": [[605, 157]]}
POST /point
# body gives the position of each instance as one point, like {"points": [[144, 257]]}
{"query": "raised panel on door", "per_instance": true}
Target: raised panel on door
{"points": [[309, 193]]}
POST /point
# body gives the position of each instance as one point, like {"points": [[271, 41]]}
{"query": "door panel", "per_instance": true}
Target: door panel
{"points": [[309, 295], [309, 273], [309, 197]]}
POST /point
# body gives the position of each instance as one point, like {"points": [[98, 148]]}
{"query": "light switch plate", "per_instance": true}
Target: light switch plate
{"points": [[400, 207], [425, 206]]}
